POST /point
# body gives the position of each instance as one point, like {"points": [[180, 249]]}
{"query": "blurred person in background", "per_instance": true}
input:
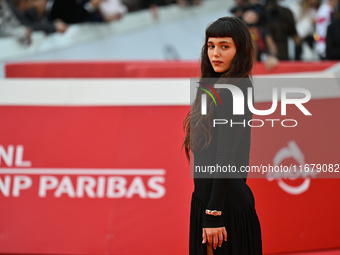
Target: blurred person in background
{"points": [[256, 5], [19, 8], [75, 11], [333, 36], [239, 8], [32, 13], [112, 9], [11, 26], [280, 24], [264, 47], [305, 17], [244, 5], [154, 4], [324, 16], [132, 5], [185, 3]]}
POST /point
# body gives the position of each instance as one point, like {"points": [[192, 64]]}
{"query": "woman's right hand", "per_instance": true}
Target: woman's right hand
{"points": [[214, 236]]}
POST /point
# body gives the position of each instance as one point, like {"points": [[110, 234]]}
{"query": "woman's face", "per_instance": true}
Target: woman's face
{"points": [[221, 52]]}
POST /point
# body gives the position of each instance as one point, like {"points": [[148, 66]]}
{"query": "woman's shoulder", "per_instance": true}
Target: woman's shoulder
{"points": [[242, 82], [237, 86]]}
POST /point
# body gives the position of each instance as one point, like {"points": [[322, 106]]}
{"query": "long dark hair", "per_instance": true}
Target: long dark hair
{"points": [[240, 67]]}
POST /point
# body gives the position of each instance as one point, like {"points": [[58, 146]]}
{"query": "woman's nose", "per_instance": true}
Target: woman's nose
{"points": [[216, 51]]}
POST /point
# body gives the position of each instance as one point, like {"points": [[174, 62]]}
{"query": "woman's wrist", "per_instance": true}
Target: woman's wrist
{"points": [[210, 221]]}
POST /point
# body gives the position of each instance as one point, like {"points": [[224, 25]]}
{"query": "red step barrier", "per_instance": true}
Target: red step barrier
{"points": [[140, 69]]}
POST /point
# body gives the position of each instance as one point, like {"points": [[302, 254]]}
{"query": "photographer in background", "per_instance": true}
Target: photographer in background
{"points": [[75, 11], [281, 26], [10, 25], [32, 13], [264, 47]]}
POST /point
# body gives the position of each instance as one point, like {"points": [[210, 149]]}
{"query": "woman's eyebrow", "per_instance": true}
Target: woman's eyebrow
{"points": [[225, 42]]}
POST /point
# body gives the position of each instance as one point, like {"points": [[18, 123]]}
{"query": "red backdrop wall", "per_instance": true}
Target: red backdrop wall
{"points": [[72, 199]]}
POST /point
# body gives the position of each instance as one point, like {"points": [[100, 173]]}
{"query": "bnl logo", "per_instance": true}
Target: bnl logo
{"points": [[238, 99]]}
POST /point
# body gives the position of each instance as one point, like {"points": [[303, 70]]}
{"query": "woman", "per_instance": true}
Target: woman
{"points": [[223, 219]]}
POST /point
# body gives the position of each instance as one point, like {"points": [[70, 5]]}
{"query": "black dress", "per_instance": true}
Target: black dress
{"points": [[230, 145]]}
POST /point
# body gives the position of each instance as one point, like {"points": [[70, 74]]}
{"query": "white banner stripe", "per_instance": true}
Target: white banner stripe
{"points": [[81, 171], [95, 92], [131, 92]]}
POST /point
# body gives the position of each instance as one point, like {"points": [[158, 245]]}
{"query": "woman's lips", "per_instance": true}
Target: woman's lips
{"points": [[216, 63]]}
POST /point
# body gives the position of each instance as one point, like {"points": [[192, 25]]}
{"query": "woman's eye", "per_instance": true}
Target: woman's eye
{"points": [[225, 47], [210, 46]]}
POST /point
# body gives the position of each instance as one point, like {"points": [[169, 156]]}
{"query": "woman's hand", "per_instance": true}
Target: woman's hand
{"points": [[214, 236], [271, 62]]}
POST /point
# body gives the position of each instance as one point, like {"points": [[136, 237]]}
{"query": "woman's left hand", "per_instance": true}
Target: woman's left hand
{"points": [[214, 236]]}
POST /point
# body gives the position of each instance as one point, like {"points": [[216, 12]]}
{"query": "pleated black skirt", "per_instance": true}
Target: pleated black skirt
{"points": [[240, 219]]}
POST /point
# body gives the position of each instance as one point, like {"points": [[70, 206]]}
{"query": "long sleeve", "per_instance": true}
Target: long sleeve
{"points": [[227, 146]]}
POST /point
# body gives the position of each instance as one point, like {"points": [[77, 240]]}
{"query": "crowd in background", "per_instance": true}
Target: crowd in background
{"points": [[20, 17], [312, 24]]}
